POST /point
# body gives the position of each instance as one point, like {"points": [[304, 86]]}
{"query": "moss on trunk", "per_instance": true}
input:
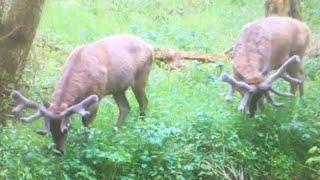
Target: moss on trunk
{"points": [[290, 8], [18, 23]]}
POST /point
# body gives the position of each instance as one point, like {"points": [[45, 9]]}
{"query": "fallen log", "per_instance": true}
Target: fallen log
{"points": [[174, 58]]}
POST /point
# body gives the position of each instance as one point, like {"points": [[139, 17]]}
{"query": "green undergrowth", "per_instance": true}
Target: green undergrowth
{"points": [[190, 131]]}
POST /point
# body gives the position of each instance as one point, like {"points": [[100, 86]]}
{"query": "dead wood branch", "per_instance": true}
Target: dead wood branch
{"points": [[174, 58]]}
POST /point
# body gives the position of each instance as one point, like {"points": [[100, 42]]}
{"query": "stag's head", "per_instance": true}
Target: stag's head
{"points": [[252, 93], [56, 119]]}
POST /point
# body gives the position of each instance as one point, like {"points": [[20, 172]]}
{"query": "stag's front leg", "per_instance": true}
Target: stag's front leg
{"points": [[296, 78], [87, 120], [301, 85], [245, 103], [93, 112], [123, 106]]}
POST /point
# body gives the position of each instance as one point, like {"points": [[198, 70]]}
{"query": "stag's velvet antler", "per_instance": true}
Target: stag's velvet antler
{"points": [[265, 86], [22, 103], [272, 43]]}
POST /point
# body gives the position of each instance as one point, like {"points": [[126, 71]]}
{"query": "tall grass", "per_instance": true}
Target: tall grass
{"points": [[197, 25]]}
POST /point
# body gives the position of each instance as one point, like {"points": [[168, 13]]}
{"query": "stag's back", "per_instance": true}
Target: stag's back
{"points": [[263, 45], [102, 68]]}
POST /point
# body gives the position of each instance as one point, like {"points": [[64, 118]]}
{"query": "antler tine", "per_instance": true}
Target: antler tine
{"points": [[36, 116], [22, 103], [46, 129], [281, 70], [230, 94], [280, 93], [243, 106], [290, 79], [80, 108], [240, 84], [271, 100]]}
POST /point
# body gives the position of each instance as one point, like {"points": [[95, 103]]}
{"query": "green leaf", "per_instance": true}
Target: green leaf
{"points": [[313, 160], [313, 149]]}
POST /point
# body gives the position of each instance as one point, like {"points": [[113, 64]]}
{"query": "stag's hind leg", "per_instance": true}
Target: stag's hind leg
{"points": [[141, 97], [139, 90], [123, 106]]}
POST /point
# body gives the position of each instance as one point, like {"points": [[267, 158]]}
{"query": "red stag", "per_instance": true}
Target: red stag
{"points": [[273, 43], [108, 66]]}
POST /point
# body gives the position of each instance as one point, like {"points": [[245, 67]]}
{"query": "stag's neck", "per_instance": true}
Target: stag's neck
{"points": [[61, 97], [69, 89], [249, 57], [248, 71]]}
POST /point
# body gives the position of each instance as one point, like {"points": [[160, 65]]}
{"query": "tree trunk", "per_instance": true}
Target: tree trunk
{"points": [[18, 22], [290, 8]]}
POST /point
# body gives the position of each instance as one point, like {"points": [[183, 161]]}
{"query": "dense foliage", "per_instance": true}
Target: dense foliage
{"points": [[190, 131]]}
